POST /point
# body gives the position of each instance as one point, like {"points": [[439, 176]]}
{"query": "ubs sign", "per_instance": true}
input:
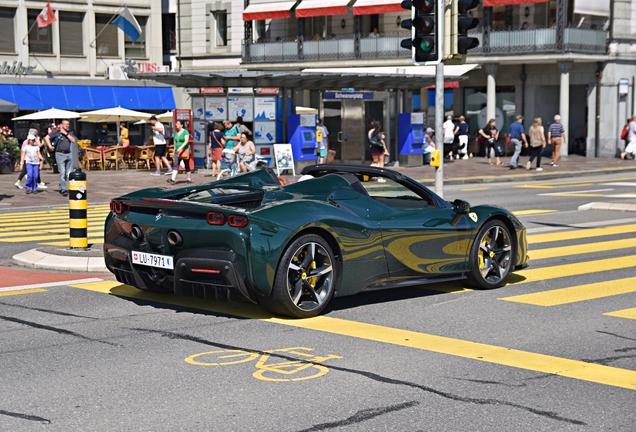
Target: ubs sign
{"points": [[15, 69]]}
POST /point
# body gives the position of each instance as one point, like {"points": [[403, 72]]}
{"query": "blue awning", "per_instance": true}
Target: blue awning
{"points": [[40, 97]]}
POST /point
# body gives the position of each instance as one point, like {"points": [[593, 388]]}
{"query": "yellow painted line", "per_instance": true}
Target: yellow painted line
{"points": [[30, 291], [536, 187], [575, 195], [38, 222], [474, 189], [532, 212], [575, 269], [30, 238], [578, 249], [625, 313], [61, 210], [581, 233], [66, 242], [526, 360], [62, 229], [576, 294]]}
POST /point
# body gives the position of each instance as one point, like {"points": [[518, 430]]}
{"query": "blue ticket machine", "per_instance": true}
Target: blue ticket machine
{"points": [[410, 139], [301, 130]]}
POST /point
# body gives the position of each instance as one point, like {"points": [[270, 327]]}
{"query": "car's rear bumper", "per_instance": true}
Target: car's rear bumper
{"points": [[201, 272]]}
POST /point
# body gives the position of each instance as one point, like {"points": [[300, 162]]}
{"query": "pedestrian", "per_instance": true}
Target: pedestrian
{"points": [[123, 132], [23, 173], [491, 135], [323, 144], [374, 33], [231, 134], [241, 125], [537, 143], [630, 149], [462, 136], [429, 145], [556, 136], [517, 135], [31, 158], [216, 143], [378, 147], [246, 151], [449, 136], [159, 140], [181, 152], [60, 141]]}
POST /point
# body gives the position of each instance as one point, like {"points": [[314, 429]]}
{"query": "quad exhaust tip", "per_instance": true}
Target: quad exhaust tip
{"points": [[175, 239]]}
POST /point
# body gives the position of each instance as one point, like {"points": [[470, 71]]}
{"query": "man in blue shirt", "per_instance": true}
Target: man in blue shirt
{"points": [[517, 134]]}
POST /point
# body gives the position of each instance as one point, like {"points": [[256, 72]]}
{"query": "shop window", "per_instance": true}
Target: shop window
{"points": [[71, 34], [7, 38], [40, 39], [475, 108], [138, 48], [317, 28], [220, 25], [107, 41]]}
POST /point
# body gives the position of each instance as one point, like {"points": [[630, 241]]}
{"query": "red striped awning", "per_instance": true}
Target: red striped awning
{"points": [[315, 8], [378, 7], [491, 3], [271, 10]]}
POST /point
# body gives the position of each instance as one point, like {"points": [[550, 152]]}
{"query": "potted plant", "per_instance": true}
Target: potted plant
{"points": [[9, 150]]}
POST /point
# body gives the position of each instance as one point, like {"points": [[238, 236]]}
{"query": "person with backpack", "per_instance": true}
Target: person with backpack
{"points": [[625, 131]]}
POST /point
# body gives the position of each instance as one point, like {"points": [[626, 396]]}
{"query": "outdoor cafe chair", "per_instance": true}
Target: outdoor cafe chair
{"points": [[144, 155], [93, 157], [114, 155]]}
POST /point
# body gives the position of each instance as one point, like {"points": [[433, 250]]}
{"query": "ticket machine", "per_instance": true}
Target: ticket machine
{"points": [[410, 139], [301, 130]]}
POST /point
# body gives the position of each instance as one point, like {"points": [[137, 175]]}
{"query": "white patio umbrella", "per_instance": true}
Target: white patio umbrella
{"points": [[163, 118], [109, 115], [49, 114]]}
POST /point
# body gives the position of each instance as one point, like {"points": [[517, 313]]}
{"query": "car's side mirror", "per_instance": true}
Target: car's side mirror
{"points": [[461, 207]]}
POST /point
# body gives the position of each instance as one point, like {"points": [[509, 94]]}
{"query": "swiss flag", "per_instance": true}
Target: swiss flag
{"points": [[47, 16]]}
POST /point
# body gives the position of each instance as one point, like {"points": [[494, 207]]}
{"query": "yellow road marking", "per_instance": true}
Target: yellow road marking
{"points": [[582, 249], [581, 233], [575, 195], [625, 313], [29, 237], [526, 360], [47, 213], [574, 269], [576, 294], [474, 189], [27, 233], [57, 220], [29, 291], [532, 212], [536, 187], [66, 242]]}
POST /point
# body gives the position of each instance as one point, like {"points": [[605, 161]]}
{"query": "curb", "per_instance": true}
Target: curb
{"points": [[626, 207], [34, 258]]}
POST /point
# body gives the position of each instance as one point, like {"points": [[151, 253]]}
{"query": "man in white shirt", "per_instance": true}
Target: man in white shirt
{"points": [[159, 140], [449, 134], [374, 34]]}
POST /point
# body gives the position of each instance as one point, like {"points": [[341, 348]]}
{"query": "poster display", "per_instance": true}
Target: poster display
{"points": [[308, 120], [198, 132], [240, 106], [284, 158], [215, 108], [198, 110], [264, 132], [265, 108]]}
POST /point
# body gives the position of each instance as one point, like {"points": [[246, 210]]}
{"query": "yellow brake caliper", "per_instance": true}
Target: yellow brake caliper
{"points": [[481, 256]]}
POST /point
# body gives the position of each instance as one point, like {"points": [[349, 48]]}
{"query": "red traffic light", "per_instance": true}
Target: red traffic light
{"points": [[425, 6]]}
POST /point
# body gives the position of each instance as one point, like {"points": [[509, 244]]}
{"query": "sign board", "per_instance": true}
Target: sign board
{"points": [[240, 90], [191, 90], [198, 109], [264, 132], [265, 108], [308, 120], [198, 132], [623, 87], [417, 118], [348, 95], [241, 106], [267, 90], [284, 158], [211, 90], [215, 108]]}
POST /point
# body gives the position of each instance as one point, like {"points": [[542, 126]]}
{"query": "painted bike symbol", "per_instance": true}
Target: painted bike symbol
{"points": [[294, 370]]}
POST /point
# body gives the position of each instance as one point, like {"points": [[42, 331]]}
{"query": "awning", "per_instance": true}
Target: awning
{"points": [[492, 3], [40, 97], [314, 8], [377, 7], [6, 106], [268, 10]]}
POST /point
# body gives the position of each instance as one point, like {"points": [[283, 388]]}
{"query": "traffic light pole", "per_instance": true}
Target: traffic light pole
{"points": [[439, 102]]}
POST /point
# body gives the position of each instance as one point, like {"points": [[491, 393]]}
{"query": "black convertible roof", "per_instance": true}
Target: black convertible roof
{"points": [[322, 170]]}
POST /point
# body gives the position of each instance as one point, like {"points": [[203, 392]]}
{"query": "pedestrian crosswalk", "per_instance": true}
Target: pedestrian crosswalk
{"points": [[51, 226]]}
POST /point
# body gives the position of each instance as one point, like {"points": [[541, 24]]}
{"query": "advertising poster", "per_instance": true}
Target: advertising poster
{"points": [[241, 106], [198, 132], [308, 120], [198, 110], [265, 108], [264, 132], [283, 158], [215, 108]]}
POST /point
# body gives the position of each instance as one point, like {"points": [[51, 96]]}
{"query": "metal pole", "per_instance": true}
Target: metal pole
{"points": [[179, 30], [439, 103]]}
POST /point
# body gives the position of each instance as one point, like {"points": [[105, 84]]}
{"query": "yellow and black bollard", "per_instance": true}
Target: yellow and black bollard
{"points": [[77, 206]]}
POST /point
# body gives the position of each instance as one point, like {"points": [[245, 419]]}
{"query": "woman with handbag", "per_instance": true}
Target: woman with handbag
{"points": [[181, 152], [490, 134]]}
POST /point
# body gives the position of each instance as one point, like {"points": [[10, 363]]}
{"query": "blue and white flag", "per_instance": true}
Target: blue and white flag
{"points": [[128, 23]]}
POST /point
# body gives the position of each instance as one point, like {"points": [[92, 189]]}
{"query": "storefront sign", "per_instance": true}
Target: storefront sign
{"points": [[241, 107], [151, 67], [15, 69], [264, 132], [237, 90], [349, 96], [211, 90], [198, 109], [267, 90], [215, 108], [265, 108]]}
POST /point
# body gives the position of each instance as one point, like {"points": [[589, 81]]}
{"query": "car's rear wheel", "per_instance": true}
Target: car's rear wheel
{"points": [[491, 256], [305, 279]]}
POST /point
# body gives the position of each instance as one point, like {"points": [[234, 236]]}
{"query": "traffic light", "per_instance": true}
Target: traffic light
{"points": [[424, 40], [465, 23]]}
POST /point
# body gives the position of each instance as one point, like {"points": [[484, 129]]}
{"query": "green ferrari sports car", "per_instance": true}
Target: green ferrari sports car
{"points": [[340, 230]]}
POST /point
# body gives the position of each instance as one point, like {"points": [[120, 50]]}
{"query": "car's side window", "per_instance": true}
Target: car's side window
{"points": [[396, 195]]}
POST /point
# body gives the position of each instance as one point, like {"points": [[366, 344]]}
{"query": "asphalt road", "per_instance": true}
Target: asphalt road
{"points": [[95, 355]]}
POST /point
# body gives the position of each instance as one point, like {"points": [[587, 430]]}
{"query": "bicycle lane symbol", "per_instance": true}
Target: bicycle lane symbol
{"points": [[282, 371]]}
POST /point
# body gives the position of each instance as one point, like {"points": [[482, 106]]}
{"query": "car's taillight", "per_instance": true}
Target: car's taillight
{"points": [[215, 218], [118, 207], [237, 221]]}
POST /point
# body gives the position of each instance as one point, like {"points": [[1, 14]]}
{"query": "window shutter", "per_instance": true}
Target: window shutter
{"points": [[106, 43], [71, 35], [7, 41]]}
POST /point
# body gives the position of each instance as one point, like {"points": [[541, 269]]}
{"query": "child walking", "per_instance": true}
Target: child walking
{"points": [[32, 157]]}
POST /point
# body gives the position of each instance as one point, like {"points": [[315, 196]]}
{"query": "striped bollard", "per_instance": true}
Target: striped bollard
{"points": [[77, 209]]}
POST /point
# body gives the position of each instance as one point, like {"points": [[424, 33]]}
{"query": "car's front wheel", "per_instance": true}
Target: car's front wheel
{"points": [[305, 279], [491, 256]]}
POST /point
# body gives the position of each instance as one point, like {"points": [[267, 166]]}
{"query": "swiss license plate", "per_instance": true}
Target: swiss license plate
{"points": [[152, 260]]}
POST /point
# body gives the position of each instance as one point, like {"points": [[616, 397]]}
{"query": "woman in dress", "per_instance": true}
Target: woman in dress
{"points": [[247, 154]]}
